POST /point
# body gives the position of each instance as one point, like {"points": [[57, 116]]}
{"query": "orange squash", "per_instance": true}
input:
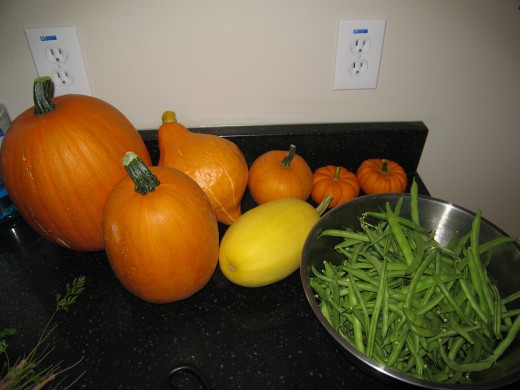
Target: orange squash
{"points": [[161, 233], [60, 160], [279, 174], [381, 175], [336, 181], [215, 163]]}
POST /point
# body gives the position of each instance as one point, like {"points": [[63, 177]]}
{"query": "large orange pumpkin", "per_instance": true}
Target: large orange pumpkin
{"points": [[279, 174], [61, 159], [161, 233], [215, 163]]}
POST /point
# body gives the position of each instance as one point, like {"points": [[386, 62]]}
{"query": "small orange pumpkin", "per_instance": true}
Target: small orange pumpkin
{"points": [[279, 174], [61, 158], [381, 175], [161, 233], [336, 181], [215, 163]]}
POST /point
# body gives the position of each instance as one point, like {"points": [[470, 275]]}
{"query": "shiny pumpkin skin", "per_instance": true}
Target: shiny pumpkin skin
{"points": [[381, 175], [270, 179], [337, 181], [215, 163], [162, 246], [265, 244], [59, 167]]}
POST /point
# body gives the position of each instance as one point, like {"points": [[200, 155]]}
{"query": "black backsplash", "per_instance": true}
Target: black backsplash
{"points": [[346, 144]]}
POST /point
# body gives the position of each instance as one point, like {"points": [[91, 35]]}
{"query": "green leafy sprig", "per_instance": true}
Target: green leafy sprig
{"points": [[26, 373]]}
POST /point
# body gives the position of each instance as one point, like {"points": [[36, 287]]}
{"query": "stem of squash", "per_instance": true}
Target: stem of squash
{"points": [[168, 117], [324, 204], [43, 92], [286, 162], [145, 181]]}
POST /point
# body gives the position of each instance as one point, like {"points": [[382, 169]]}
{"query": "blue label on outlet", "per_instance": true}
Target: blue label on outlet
{"points": [[361, 31], [48, 37]]}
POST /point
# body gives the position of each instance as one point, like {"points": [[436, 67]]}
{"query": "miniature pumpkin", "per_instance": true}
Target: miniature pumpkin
{"points": [[161, 233], [279, 174], [215, 163], [381, 175], [60, 160], [336, 181]]}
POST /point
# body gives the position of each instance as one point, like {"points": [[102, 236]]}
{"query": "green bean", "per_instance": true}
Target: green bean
{"points": [[371, 338], [419, 366], [487, 246], [360, 274], [398, 206], [345, 234], [356, 324], [417, 278], [459, 329], [361, 301], [461, 244], [385, 313], [403, 221], [348, 243], [399, 235], [359, 248], [497, 312], [510, 298], [476, 276], [452, 244], [475, 266], [414, 202], [450, 299], [419, 253], [472, 301], [428, 281], [398, 347]]}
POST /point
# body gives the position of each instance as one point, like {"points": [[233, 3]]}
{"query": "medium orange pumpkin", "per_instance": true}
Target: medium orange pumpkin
{"points": [[215, 163], [381, 175], [161, 233], [336, 181], [60, 160], [279, 174]]}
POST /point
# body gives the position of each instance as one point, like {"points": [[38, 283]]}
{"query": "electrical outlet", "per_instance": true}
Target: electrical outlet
{"points": [[358, 53], [57, 53]]}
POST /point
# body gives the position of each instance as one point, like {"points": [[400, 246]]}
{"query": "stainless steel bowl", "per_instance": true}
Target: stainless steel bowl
{"points": [[444, 218]]}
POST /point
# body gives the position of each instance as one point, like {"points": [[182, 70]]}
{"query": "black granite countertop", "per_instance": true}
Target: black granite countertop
{"points": [[240, 338]]}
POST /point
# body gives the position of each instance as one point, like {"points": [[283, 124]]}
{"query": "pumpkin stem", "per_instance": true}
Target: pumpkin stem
{"points": [[145, 181], [286, 162], [336, 173], [324, 204], [43, 92], [168, 117], [384, 168]]}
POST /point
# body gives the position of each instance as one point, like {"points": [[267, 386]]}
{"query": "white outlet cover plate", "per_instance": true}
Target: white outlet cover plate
{"points": [[349, 32], [43, 42]]}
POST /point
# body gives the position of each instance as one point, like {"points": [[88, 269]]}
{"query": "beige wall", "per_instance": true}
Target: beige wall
{"points": [[453, 64]]}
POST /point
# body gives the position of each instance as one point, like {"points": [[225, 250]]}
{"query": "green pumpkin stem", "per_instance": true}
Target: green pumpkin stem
{"points": [[43, 92], [384, 168], [324, 204], [336, 173], [145, 181], [286, 162]]}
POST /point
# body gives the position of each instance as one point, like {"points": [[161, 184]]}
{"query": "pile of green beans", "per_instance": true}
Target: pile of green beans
{"points": [[412, 304]]}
